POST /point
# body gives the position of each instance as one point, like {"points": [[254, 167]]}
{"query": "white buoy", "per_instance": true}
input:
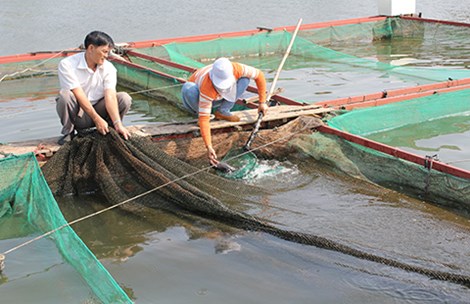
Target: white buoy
{"points": [[397, 7]]}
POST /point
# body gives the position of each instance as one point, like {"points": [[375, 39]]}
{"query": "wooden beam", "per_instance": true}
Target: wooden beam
{"points": [[46, 147]]}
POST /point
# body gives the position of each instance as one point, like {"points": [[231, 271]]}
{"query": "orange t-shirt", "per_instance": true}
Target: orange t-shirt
{"points": [[208, 93]]}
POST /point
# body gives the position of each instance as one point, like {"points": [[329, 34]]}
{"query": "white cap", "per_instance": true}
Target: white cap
{"points": [[222, 74]]}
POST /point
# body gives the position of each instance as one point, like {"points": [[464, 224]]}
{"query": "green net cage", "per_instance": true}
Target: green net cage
{"points": [[329, 62], [28, 209]]}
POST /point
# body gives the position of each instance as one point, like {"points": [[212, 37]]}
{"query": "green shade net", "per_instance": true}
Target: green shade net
{"points": [[28, 208]]}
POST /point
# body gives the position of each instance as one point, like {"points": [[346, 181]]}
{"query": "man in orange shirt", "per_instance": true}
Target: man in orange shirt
{"points": [[219, 85]]}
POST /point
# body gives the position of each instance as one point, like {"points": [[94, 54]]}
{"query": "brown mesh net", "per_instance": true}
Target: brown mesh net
{"points": [[125, 170], [270, 142]]}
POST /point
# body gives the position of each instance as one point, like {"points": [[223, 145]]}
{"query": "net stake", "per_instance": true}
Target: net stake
{"points": [[2, 262]]}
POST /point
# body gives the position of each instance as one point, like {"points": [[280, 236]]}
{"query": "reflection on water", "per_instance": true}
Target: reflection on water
{"points": [[147, 110]]}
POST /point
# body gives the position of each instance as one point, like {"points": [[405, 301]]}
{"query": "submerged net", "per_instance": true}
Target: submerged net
{"points": [[388, 171], [28, 208], [136, 172]]}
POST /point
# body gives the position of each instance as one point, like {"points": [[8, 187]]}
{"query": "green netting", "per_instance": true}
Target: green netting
{"points": [[426, 43], [31, 68], [335, 44], [431, 44], [28, 204], [148, 83], [377, 56], [242, 163], [388, 171], [375, 51], [261, 44], [339, 61], [372, 120]]}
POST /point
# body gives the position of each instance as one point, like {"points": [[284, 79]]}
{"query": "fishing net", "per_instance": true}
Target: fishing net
{"points": [[332, 62], [125, 169], [375, 121], [373, 57], [29, 209], [270, 143], [388, 171], [136, 172], [402, 125]]}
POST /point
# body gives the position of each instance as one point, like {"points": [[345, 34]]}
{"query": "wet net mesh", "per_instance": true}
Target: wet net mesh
{"points": [[123, 170], [28, 209]]}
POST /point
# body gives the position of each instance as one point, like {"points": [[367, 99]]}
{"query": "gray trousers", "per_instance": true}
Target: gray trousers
{"points": [[73, 117]]}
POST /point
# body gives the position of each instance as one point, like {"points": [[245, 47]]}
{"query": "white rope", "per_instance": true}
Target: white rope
{"points": [[459, 161], [155, 89]]}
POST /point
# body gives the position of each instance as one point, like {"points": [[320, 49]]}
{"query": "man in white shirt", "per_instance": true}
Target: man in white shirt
{"points": [[88, 95]]}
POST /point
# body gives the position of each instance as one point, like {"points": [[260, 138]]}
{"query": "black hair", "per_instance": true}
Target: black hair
{"points": [[98, 38]]}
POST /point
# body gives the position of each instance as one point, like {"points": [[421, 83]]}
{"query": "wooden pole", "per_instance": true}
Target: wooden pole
{"points": [[273, 86], [276, 76]]}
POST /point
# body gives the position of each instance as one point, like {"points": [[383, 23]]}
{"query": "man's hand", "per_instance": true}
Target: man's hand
{"points": [[212, 156], [122, 130], [101, 125], [263, 108]]}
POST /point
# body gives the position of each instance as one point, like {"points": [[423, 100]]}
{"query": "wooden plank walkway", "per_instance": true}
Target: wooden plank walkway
{"points": [[48, 146]]}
